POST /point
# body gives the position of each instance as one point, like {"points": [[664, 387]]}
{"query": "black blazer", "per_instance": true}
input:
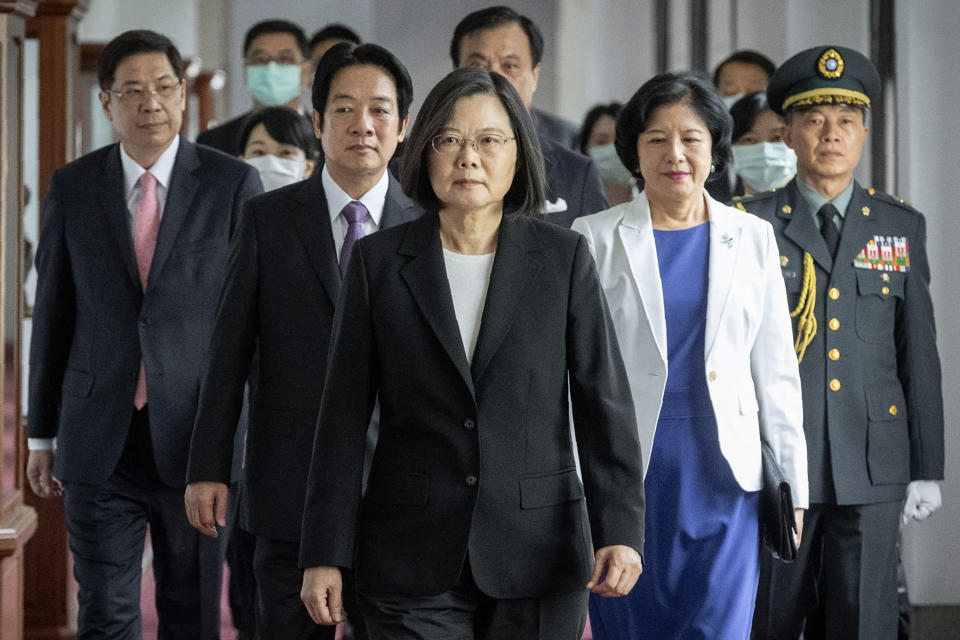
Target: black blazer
{"points": [[279, 298], [572, 177], [225, 137], [883, 425], [473, 459], [93, 323]]}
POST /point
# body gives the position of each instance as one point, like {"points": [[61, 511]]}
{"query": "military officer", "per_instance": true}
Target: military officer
{"points": [[855, 267]]}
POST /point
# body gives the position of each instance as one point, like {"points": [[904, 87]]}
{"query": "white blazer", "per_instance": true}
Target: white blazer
{"points": [[749, 363]]}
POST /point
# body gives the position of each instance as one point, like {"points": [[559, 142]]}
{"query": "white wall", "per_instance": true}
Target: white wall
{"points": [[929, 154], [108, 18]]}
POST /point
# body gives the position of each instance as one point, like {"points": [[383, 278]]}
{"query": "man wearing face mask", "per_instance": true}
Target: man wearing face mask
{"points": [[279, 298], [277, 66]]}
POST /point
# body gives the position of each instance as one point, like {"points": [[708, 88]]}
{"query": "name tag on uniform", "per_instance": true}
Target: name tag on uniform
{"points": [[555, 206], [885, 253]]}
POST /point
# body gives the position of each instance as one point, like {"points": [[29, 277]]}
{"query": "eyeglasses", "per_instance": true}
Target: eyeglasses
{"points": [[133, 96], [487, 145], [282, 60]]}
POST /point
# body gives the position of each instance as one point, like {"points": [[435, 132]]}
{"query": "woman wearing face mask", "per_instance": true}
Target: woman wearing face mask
{"points": [[761, 160], [596, 141], [280, 143]]}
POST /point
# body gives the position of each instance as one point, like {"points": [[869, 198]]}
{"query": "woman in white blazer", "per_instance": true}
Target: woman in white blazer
{"points": [[698, 302]]}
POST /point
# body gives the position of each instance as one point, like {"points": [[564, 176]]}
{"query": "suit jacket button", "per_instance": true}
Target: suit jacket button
{"points": [[469, 423], [835, 385], [470, 480], [834, 324], [834, 354], [893, 409], [834, 293]]}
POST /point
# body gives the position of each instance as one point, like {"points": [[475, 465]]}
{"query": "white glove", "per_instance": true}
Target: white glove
{"points": [[923, 498]]}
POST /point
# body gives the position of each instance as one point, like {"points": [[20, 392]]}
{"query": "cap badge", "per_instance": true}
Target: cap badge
{"points": [[830, 64]]}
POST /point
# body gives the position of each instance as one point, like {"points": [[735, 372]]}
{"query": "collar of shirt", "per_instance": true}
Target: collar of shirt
{"points": [[815, 200], [337, 198], [161, 169]]}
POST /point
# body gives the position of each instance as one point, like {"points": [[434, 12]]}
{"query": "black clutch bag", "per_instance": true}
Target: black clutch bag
{"points": [[777, 524]]}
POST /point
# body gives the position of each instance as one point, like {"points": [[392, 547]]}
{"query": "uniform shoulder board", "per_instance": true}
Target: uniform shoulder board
{"points": [[892, 199]]}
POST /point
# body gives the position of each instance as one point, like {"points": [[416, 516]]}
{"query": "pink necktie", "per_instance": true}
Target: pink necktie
{"points": [[144, 243]]}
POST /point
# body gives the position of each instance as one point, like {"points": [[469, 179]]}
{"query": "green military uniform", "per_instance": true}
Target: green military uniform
{"points": [[870, 375]]}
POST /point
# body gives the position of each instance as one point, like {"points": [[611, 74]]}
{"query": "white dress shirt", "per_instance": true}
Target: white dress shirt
{"points": [[337, 199]]}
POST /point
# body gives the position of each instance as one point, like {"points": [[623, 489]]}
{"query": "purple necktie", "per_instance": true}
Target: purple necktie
{"points": [[354, 213]]}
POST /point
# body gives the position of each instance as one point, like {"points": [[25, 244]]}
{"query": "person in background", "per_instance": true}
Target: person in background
{"points": [[761, 160], [711, 367], [277, 67], [855, 266], [326, 37], [132, 251], [278, 300], [596, 140], [474, 523], [281, 144], [740, 73], [502, 40]]}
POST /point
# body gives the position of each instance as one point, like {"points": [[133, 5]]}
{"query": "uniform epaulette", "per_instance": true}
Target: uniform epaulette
{"points": [[772, 193], [892, 199]]}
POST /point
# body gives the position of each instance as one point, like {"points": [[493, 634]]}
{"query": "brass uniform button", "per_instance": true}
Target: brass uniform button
{"points": [[871, 191], [885, 277], [834, 293], [885, 290], [834, 324], [834, 354], [835, 385], [786, 208], [893, 409], [712, 376]]}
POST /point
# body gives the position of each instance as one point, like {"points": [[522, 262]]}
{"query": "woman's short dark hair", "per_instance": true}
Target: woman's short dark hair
{"points": [[667, 89], [526, 194], [284, 125], [613, 110], [276, 26], [131, 43], [348, 54], [745, 112]]}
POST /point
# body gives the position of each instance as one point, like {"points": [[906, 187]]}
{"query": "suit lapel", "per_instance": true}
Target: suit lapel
{"points": [[858, 229], [183, 188], [801, 227], [113, 204], [312, 220], [397, 207], [725, 247], [426, 278], [636, 234], [514, 271]]}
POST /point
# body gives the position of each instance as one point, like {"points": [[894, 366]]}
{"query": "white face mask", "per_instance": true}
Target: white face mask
{"points": [[765, 166], [729, 101], [609, 166], [278, 172]]}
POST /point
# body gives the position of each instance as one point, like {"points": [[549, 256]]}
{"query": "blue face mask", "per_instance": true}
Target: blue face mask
{"points": [[765, 166], [609, 166], [729, 101], [273, 84]]}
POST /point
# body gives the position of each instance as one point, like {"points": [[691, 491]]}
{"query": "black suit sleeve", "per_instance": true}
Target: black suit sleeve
{"points": [[228, 360], [330, 515], [603, 415], [919, 365], [53, 318], [250, 186]]}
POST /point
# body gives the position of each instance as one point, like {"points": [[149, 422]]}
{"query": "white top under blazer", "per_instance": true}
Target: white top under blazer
{"points": [[749, 361]]}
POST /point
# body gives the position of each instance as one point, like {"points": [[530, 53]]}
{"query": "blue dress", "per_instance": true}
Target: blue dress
{"points": [[701, 550]]}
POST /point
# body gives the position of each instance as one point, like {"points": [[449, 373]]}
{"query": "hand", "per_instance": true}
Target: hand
{"points": [[615, 571], [923, 498], [322, 594], [206, 505], [42, 482], [798, 518]]}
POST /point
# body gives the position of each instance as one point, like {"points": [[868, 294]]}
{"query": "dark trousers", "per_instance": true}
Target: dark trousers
{"points": [[107, 524], [843, 584], [466, 613]]}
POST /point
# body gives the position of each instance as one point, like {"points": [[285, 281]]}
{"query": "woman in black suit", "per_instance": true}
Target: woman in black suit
{"points": [[473, 326]]}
